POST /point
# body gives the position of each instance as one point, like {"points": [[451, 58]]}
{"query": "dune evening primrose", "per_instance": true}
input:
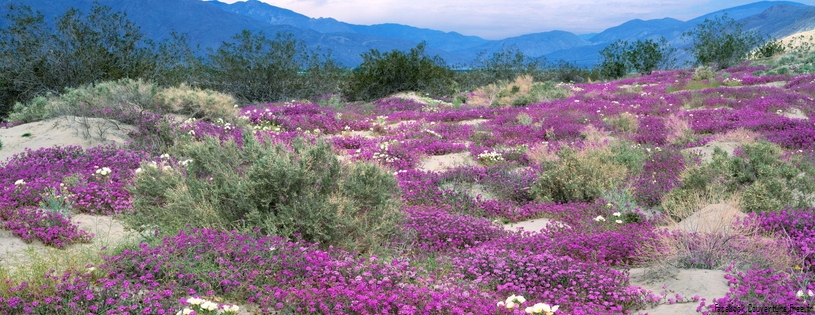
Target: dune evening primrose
{"points": [[617, 214], [600, 218], [542, 308], [19, 182]]}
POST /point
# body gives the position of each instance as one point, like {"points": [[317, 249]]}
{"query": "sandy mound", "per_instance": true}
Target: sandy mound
{"points": [[63, 131], [534, 225], [708, 284], [713, 218], [799, 38], [447, 161], [707, 150], [420, 98]]}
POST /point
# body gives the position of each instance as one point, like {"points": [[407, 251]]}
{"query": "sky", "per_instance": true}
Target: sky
{"points": [[498, 19]]}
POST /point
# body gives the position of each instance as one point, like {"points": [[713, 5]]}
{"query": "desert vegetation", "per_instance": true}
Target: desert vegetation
{"points": [[328, 194]]}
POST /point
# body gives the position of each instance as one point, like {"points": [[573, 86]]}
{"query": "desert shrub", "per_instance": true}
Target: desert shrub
{"points": [[628, 155], [721, 42], [381, 75], [36, 58], [757, 172], [88, 100], [503, 65], [614, 64], [196, 103], [298, 192], [703, 73], [254, 68], [769, 49], [625, 122], [578, 176]]}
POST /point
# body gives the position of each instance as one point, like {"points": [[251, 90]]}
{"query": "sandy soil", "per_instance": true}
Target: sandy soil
{"points": [[63, 131], [447, 161], [534, 225], [473, 121], [708, 284], [798, 38], [107, 231]]}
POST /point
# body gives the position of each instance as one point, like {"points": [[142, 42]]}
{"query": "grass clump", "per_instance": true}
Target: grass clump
{"points": [[298, 192], [196, 103], [579, 176]]}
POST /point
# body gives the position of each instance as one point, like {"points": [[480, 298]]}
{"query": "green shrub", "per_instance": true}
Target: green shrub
{"points": [[381, 75], [721, 42], [578, 176], [769, 49], [254, 68], [765, 182], [303, 190], [703, 73]]}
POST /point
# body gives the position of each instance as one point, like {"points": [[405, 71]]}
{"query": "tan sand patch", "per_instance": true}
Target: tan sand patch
{"points": [[708, 284], [62, 131], [447, 161]]}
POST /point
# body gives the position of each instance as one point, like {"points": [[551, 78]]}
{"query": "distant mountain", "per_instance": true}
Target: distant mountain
{"points": [[634, 30], [209, 23], [533, 45], [265, 12]]}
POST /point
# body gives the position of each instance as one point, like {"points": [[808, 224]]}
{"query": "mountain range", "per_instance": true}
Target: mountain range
{"points": [[209, 23]]}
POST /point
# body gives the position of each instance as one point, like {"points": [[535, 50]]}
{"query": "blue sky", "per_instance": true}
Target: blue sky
{"points": [[496, 19]]}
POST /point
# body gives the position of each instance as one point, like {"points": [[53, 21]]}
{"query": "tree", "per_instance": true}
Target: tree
{"points": [[721, 42], [381, 74], [646, 56], [615, 63], [254, 68], [82, 49]]}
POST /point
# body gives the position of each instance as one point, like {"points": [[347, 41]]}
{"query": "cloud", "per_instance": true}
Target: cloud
{"points": [[496, 19]]}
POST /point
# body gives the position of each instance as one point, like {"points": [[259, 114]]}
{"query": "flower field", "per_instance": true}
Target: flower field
{"points": [[309, 207]]}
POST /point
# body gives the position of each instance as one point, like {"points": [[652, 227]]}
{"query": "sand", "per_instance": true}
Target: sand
{"points": [[63, 131], [708, 284], [447, 161]]}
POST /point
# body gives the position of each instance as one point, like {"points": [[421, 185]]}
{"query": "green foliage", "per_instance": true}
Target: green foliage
{"points": [[766, 182], [139, 95], [578, 176], [614, 64], [303, 190], [641, 56], [254, 68], [381, 74], [646, 56], [769, 49], [721, 42], [702, 73], [81, 49], [503, 65]]}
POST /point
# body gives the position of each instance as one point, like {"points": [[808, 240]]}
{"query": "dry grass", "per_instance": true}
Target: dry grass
{"points": [[595, 139], [680, 204], [197, 103], [677, 128], [740, 135], [714, 240]]}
